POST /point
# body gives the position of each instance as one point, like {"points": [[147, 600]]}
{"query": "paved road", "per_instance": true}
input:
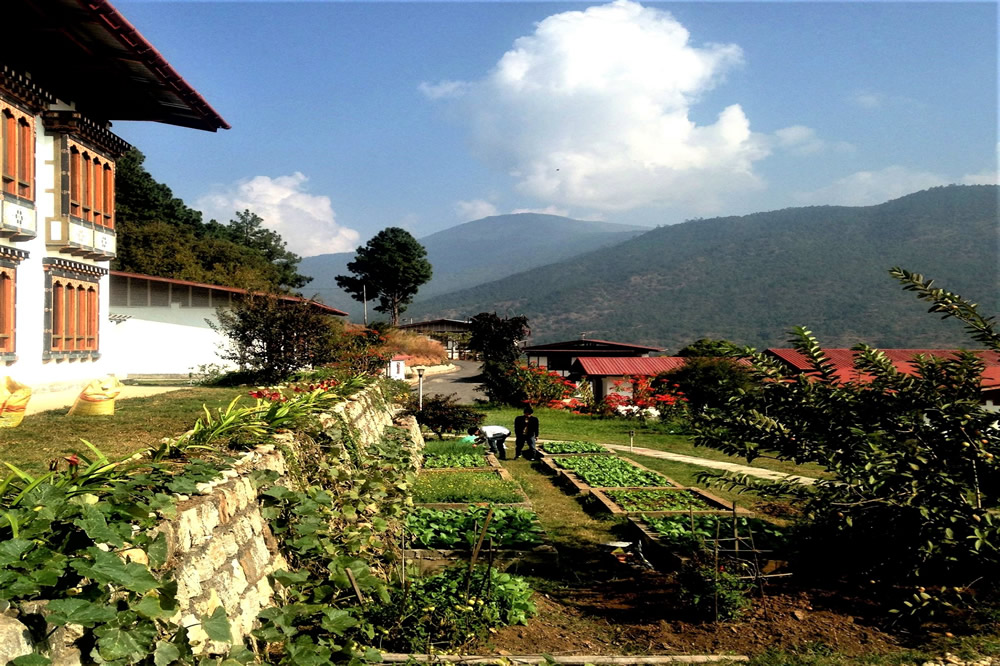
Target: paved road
{"points": [[462, 382]]}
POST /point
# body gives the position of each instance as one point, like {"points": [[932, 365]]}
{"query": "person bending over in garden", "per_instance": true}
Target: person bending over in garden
{"points": [[526, 432], [493, 437]]}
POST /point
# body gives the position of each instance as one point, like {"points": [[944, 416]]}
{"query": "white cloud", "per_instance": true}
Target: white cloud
{"points": [[475, 209], [305, 221], [865, 188], [802, 140], [984, 177], [593, 110], [548, 210], [868, 100]]}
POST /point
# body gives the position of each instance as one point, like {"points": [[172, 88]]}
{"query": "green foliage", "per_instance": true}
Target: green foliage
{"points": [[610, 472], [657, 500], [390, 267], [537, 386], [473, 458], [272, 338], [452, 609], [707, 382], [159, 235], [458, 528], [912, 456], [706, 348], [496, 340], [443, 413], [689, 535], [713, 592], [573, 447], [462, 487]]}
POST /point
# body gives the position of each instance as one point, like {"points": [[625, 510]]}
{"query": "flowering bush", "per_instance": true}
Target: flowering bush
{"points": [[538, 386], [636, 397]]}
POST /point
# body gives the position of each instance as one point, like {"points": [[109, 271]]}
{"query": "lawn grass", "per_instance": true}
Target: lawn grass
{"points": [[559, 424], [138, 423]]}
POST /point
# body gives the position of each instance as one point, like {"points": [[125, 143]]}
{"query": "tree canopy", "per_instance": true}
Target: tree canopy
{"points": [[391, 267], [158, 234], [496, 340]]}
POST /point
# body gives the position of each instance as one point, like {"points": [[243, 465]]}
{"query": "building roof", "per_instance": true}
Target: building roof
{"points": [[232, 290], [902, 359], [624, 366], [588, 344], [86, 53], [431, 322]]}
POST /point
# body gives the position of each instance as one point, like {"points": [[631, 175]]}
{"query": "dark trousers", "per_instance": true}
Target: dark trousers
{"points": [[496, 446], [532, 453]]}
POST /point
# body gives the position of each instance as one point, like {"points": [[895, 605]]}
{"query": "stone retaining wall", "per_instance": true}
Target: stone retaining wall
{"points": [[219, 546]]}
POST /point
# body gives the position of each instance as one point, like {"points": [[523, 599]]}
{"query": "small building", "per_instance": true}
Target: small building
{"points": [[605, 373], [67, 69], [396, 368], [151, 314], [559, 357], [452, 333]]}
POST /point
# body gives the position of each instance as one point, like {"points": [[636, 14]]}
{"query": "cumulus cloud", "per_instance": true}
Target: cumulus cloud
{"points": [[865, 188], [475, 209], [802, 140], [593, 110], [305, 221]]}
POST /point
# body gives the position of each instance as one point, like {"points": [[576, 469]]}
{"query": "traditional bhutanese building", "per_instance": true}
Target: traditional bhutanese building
{"points": [[67, 69]]}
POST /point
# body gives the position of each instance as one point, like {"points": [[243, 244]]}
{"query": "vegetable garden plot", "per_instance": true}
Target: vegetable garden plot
{"points": [[595, 471], [669, 540], [661, 501], [448, 488], [454, 455], [561, 448]]}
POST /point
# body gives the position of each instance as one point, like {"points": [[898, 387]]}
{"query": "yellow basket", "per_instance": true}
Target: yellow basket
{"points": [[97, 398], [14, 398]]}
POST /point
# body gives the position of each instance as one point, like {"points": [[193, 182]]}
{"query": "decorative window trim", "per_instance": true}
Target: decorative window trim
{"points": [[17, 153], [72, 310], [8, 308], [91, 185]]}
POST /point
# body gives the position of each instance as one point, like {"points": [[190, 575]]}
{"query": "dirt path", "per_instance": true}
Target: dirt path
{"points": [[714, 464]]}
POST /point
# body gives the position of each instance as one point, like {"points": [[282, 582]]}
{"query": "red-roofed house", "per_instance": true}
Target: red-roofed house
{"points": [[67, 69], [902, 360], [604, 372], [560, 356]]}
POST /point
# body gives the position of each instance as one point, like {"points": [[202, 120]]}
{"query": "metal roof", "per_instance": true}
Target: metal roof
{"points": [[86, 53], [233, 290], [583, 344], [623, 366], [902, 359]]}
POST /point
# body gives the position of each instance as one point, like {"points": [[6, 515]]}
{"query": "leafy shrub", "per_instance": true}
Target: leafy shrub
{"points": [[573, 447], [610, 472], [690, 534], [537, 386], [450, 528], [451, 609], [713, 593], [446, 487], [443, 413]]}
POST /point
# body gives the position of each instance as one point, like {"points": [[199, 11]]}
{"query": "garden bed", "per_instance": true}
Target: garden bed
{"points": [[665, 501], [455, 455], [459, 488], [605, 474], [572, 448]]}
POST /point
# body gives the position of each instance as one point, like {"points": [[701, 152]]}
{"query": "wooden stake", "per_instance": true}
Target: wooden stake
{"points": [[354, 584]]}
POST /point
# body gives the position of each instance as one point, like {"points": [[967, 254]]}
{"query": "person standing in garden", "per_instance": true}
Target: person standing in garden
{"points": [[526, 432], [493, 437]]}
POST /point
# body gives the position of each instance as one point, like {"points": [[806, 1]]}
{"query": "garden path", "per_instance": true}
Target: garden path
{"points": [[714, 464]]}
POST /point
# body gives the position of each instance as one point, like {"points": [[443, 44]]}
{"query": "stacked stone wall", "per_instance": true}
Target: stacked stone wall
{"points": [[219, 546]]}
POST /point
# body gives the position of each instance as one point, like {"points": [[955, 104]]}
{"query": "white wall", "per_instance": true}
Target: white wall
{"points": [[140, 346]]}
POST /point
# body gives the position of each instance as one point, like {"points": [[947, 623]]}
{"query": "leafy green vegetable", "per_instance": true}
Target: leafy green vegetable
{"points": [[610, 472], [451, 528]]}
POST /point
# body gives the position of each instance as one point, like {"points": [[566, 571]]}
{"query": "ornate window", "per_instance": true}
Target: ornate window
{"points": [[17, 138], [74, 315], [91, 186], [7, 281]]}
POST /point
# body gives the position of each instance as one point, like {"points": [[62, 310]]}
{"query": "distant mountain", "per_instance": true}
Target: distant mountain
{"points": [[480, 251], [751, 278]]}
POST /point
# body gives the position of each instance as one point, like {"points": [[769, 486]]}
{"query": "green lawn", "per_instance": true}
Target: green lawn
{"points": [[563, 425], [137, 424]]}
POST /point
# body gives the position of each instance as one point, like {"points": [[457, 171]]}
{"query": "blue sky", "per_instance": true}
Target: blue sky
{"points": [[349, 117]]}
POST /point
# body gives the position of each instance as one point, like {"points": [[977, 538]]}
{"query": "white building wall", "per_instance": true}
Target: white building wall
{"points": [[144, 345]]}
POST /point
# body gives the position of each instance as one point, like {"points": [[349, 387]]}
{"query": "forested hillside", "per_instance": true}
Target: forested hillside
{"points": [[751, 278], [158, 234], [481, 251]]}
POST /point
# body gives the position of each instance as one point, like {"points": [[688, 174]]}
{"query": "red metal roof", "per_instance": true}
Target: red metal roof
{"points": [[902, 359], [232, 290], [623, 366]]}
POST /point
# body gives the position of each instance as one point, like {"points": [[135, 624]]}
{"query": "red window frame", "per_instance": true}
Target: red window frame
{"points": [[8, 278], [74, 315], [17, 152], [91, 186]]}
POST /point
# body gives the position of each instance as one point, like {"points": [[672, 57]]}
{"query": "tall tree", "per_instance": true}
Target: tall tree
{"points": [[496, 340], [248, 231], [391, 267]]}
